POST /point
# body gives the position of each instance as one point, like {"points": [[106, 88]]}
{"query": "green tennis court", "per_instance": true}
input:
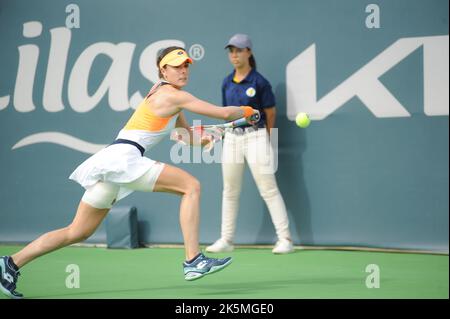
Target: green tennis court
{"points": [[255, 273]]}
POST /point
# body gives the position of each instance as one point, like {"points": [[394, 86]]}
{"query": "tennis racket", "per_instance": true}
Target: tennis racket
{"points": [[215, 132], [253, 119]]}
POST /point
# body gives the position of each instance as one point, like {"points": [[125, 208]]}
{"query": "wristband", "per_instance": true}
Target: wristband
{"points": [[248, 111]]}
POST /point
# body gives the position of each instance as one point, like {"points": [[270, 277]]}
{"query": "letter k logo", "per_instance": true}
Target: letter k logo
{"points": [[301, 81]]}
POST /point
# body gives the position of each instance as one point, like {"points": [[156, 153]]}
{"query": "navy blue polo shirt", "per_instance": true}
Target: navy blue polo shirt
{"points": [[254, 91]]}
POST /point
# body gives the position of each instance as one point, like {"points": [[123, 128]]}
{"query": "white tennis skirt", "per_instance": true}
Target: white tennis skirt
{"points": [[117, 164]]}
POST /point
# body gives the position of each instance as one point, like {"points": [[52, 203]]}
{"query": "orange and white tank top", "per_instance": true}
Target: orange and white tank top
{"points": [[146, 128]]}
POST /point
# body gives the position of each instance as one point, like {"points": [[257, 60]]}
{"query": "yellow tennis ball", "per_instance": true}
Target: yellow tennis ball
{"points": [[302, 120]]}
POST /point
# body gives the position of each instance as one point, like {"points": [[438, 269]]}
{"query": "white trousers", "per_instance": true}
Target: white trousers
{"points": [[253, 147]]}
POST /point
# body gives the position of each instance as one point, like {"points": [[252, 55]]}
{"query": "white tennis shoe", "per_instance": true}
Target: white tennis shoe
{"points": [[283, 246], [220, 246]]}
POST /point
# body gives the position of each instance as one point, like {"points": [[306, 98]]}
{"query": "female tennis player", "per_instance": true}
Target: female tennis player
{"points": [[119, 169], [249, 87]]}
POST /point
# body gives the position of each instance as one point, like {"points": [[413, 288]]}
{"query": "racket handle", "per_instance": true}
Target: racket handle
{"points": [[254, 118], [239, 122]]}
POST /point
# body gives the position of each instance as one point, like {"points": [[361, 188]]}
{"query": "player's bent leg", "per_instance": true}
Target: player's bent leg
{"points": [[175, 180]]}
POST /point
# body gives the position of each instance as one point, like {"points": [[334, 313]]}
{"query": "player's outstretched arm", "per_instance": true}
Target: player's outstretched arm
{"points": [[187, 101]]}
